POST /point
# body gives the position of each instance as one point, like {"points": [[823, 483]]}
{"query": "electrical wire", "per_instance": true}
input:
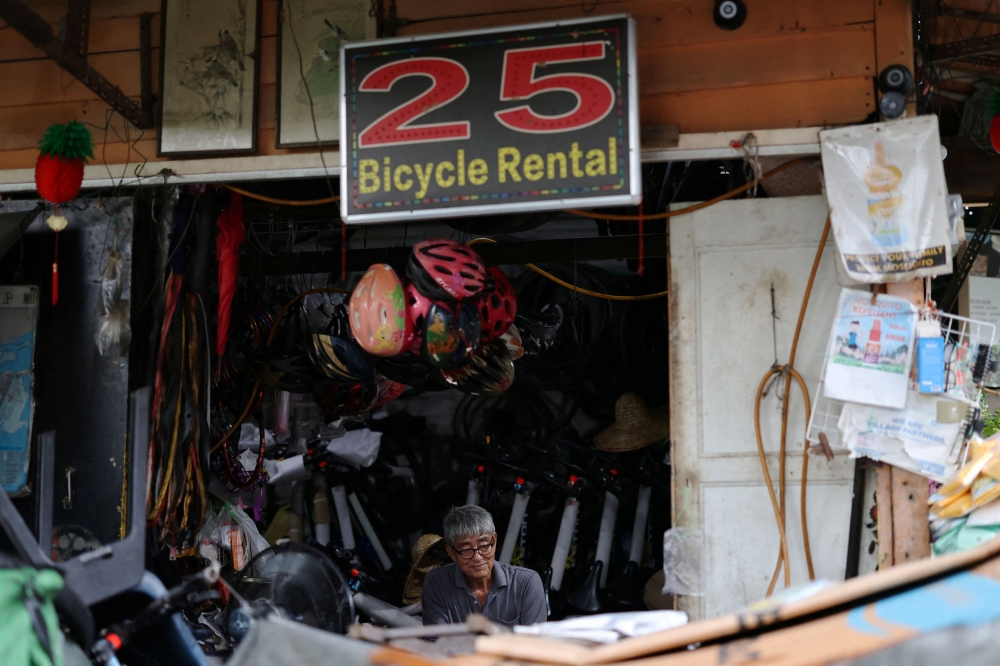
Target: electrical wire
{"points": [[579, 290], [789, 372], [282, 202], [690, 209]]}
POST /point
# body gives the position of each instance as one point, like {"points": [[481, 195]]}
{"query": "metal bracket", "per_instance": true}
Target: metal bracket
{"points": [[965, 47], [37, 31], [78, 27], [972, 251]]}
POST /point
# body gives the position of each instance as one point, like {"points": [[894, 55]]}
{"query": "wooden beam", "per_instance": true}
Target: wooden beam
{"points": [[911, 538], [894, 38], [33, 28], [883, 502]]}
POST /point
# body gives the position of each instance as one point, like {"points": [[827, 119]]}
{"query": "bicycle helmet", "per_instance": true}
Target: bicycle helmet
{"points": [[498, 308], [450, 334], [378, 313], [406, 368], [339, 359], [489, 372], [444, 269], [512, 338]]}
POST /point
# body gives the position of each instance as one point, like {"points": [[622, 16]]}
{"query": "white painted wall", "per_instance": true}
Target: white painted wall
{"points": [[723, 261]]}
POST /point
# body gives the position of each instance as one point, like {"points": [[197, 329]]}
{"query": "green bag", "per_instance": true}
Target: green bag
{"points": [[28, 618]]}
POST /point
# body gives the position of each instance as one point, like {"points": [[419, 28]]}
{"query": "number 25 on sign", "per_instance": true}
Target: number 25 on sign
{"points": [[527, 118]]}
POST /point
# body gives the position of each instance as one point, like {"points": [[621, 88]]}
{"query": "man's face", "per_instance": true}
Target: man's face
{"points": [[479, 565]]}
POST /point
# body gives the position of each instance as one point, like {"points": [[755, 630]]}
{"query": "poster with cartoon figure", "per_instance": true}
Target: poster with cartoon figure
{"points": [[871, 346]]}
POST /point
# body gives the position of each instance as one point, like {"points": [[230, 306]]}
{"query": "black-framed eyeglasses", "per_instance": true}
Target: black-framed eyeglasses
{"points": [[468, 553]]}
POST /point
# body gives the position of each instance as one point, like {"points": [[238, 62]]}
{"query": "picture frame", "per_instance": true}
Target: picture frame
{"points": [[209, 63], [314, 30]]}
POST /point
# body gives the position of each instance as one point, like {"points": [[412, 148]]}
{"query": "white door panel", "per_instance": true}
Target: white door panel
{"points": [[724, 261]]}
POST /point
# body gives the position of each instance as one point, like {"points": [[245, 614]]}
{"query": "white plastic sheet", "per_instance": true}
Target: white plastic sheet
{"points": [[888, 199]]}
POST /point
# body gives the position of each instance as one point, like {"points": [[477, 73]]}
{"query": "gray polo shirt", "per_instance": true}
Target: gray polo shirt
{"points": [[516, 596]]}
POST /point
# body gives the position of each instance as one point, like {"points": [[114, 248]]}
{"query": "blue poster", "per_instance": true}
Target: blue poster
{"points": [[18, 317]]}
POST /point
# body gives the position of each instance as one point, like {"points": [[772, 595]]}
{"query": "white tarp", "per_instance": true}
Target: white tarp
{"points": [[888, 199]]}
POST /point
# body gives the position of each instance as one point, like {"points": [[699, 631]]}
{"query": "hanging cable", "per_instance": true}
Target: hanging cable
{"points": [[282, 202], [788, 371], [690, 209], [579, 290]]}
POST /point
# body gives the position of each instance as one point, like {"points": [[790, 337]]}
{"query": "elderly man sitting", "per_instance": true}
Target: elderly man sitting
{"points": [[475, 582]]}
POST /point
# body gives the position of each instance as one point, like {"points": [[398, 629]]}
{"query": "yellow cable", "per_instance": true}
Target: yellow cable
{"points": [[581, 290], [790, 373], [690, 209], [282, 202]]}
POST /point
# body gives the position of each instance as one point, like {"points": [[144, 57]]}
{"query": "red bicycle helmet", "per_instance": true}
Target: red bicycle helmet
{"points": [[444, 269], [417, 306], [497, 309]]}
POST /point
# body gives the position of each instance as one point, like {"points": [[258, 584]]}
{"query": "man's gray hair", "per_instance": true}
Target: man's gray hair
{"points": [[467, 521]]}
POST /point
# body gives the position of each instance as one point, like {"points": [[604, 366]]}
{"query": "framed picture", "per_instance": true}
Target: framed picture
{"points": [[310, 33], [208, 75]]}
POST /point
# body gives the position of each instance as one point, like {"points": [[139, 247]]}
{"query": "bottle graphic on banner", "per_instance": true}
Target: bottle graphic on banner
{"points": [[885, 200], [874, 345]]}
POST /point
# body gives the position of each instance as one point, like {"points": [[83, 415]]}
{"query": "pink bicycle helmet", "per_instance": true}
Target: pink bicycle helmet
{"points": [[417, 306], [444, 269], [378, 313], [498, 308]]}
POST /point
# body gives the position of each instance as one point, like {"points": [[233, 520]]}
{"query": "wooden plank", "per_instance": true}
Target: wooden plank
{"points": [[731, 626], [23, 126], [269, 18], [796, 56], [106, 36], [268, 51], [883, 502], [802, 104], [894, 37], [51, 10], [42, 81], [658, 22], [911, 539]]}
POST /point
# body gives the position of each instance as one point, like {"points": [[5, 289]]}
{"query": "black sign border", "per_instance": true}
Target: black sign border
{"points": [[348, 143]]}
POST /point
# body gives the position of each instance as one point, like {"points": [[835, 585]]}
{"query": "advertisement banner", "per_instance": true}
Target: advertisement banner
{"points": [[888, 199], [870, 350], [522, 118]]}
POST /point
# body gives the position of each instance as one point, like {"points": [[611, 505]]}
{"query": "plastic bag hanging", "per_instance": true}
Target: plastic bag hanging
{"points": [[113, 329]]}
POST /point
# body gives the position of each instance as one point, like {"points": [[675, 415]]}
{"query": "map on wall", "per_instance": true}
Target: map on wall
{"points": [[18, 316], [315, 29]]}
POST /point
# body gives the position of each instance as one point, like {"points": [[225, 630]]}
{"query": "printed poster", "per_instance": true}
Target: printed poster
{"points": [[911, 438], [18, 314], [870, 351], [888, 199]]}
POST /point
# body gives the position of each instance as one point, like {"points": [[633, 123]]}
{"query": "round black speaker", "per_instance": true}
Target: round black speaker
{"points": [[729, 14], [895, 78], [892, 105]]}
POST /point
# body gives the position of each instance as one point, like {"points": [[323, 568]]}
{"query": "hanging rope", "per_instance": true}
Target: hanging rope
{"points": [[775, 373]]}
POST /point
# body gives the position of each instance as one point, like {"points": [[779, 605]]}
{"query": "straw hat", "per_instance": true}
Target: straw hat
{"points": [[635, 426], [425, 558]]}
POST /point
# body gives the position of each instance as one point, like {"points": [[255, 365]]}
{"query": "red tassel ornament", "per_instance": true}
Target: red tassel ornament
{"points": [[59, 175]]}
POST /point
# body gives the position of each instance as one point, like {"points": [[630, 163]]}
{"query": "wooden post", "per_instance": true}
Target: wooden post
{"points": [[901, 495]]}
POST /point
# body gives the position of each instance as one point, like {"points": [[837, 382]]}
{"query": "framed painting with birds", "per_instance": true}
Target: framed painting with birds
{"points": [[310, 33], [208, 69]]}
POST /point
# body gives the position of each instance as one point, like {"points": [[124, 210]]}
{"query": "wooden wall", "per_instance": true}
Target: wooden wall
{"points": [[794, 63]]}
